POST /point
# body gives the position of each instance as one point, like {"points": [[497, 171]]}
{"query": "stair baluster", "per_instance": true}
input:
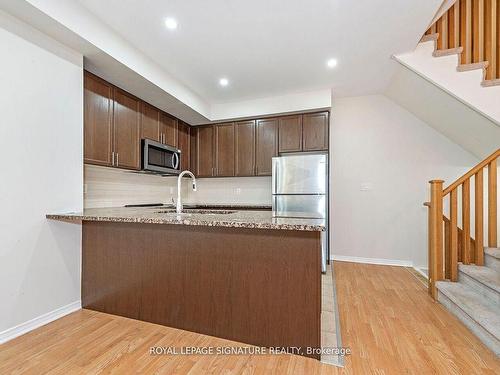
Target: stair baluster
{"points": [[471, 28], [448, 243]]}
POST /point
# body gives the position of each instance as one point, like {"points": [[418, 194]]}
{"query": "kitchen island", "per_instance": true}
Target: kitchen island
{"points": [[237, 274]]}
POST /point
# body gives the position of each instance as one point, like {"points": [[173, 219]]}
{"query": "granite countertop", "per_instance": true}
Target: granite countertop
{"points": [[216, 218]]}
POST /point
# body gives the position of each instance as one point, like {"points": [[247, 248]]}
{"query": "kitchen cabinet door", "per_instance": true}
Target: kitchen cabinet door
{"points": [[150, 122], [183, 145], [168, 130], [126, 126], [290, 134], [266, 146], [315, 131], [224, 150], [244, 140], [193, 133], [205, 151], [98, 125]]}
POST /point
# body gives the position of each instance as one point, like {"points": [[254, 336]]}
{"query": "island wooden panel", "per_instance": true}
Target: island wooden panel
{"points": [[261, 287]]}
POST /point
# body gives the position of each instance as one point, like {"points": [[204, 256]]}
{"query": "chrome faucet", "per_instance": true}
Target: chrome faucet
{"points": [[179, 180]]}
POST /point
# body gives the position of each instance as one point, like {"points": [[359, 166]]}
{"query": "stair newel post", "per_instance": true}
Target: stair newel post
{"points": [[436, 271]]}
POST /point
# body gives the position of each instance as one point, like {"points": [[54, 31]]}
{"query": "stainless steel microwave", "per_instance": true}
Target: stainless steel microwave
{"points": [[159, 158]]}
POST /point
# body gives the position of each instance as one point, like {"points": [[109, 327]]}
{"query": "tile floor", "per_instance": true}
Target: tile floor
{"points": [[330, 331]]}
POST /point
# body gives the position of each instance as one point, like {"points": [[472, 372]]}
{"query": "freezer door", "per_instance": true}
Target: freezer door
{"points": [[303, 206], [300, 174]]}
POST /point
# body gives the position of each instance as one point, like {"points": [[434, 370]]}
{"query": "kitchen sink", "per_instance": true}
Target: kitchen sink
{"points": [[197, 211]]}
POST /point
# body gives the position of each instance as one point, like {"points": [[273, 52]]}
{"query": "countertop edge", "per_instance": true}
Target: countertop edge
{"points": [[218, 223]]}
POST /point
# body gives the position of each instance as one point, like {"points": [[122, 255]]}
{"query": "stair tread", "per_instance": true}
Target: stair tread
{"points": [[483, 311], [493, 251], [485, 275]]}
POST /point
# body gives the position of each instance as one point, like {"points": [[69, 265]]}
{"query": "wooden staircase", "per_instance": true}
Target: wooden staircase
{"points": [[464, 265], [471, 29]]}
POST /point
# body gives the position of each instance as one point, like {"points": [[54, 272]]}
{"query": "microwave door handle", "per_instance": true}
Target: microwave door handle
{"points": [[175, 160]]}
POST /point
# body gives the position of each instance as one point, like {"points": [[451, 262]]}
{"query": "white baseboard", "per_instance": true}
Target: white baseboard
{"points": [[420, 271], [39, 321], [386, 262]]}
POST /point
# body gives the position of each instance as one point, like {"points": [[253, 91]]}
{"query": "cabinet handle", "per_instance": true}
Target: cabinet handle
{"points": [[113, 158], [161, 138], [117, 159]]}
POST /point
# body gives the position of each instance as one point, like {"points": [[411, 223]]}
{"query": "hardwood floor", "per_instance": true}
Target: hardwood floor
{"points": [[387, 319]]}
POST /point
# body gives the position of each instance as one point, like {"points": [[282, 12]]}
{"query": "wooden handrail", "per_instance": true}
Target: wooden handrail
{"points": [[455, 244], [472, 172]]}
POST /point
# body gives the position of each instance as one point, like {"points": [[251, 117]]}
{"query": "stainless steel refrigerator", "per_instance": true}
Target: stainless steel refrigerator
{"points": [[300, 189]]}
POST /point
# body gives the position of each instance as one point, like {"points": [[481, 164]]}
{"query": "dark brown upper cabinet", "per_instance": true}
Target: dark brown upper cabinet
{"points": [[205, 151], [244, 144], [183, 136], [126, 134], [192, 149], [150, 122], [266, 145], [116, 121], [98, 121], [315, 131], [290, 133], [224, 150], [168, 130]]}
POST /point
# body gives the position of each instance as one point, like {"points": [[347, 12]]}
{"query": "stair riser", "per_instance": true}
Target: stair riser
{"points": [[486, 338], [492, 262], [484, 290]]}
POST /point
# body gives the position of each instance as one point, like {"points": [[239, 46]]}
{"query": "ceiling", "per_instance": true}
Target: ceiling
{"points": [[271, 47]]}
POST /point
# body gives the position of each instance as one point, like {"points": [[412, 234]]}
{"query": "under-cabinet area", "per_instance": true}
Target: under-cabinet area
{"points": [[115, 122]]}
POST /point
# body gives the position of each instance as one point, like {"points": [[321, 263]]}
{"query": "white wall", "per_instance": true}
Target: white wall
{"points": [[381, 161], [41, 150], [465, 86], [444, 112], [298, 102]]}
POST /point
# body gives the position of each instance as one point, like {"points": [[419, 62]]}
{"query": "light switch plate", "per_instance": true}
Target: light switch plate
{"points": [[366, 186]]}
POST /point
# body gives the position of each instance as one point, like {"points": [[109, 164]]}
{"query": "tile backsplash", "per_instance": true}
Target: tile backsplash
{"points": [[109, 187], [242, 190]]}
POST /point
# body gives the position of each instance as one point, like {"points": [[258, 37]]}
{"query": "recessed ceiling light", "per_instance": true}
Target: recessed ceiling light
{"points": [[171, 23], [331, 63], [223, 82]]}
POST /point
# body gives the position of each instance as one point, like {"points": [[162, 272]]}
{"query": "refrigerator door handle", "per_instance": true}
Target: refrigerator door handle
{"points": [[275, 175]]}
